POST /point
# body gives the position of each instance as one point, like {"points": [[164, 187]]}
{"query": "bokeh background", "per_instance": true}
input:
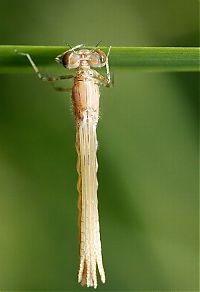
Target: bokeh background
{"points": [[148, 153]]}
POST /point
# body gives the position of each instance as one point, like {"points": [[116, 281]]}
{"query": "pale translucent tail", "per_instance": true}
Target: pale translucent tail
{"points": [[90, 244]]}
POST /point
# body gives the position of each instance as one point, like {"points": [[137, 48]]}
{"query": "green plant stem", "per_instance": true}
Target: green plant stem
{"points": [[137, 58]]}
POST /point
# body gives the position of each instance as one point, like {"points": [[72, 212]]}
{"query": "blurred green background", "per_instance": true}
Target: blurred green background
{"points": [[148, 153]]}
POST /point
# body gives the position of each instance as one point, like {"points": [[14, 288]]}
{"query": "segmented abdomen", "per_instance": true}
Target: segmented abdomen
{"points": [[86, 109]]}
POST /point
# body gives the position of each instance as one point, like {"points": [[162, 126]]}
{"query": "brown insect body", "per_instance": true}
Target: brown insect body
{"points": [[85, 98]]}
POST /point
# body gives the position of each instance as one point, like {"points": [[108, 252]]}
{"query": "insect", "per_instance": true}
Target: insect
{"points": [[85, 99]]}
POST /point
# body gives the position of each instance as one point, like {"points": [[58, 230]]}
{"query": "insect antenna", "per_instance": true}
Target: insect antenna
{"points": [[98, 44]]}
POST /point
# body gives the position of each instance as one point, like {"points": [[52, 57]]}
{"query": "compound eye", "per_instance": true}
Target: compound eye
{"points": [[103, 57], [98, 58], [95, 60], [71, 60]]}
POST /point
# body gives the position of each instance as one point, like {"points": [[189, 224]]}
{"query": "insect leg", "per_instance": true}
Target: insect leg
{"points": [[61, 89], [42, 76], [74, 48], [106, 81], [107, 67]]}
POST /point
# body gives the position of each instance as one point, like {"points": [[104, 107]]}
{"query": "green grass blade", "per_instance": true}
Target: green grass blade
{"points": [[136, 58]]}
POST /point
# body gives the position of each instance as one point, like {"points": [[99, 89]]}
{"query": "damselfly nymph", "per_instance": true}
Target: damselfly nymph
{"points": [[85, 99]]}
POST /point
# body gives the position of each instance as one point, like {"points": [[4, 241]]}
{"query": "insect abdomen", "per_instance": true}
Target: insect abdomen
{"points": [[86, 109]]}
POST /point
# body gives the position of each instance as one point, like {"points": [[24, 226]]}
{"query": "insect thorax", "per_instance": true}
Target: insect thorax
{"points": [[84, 72]]}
